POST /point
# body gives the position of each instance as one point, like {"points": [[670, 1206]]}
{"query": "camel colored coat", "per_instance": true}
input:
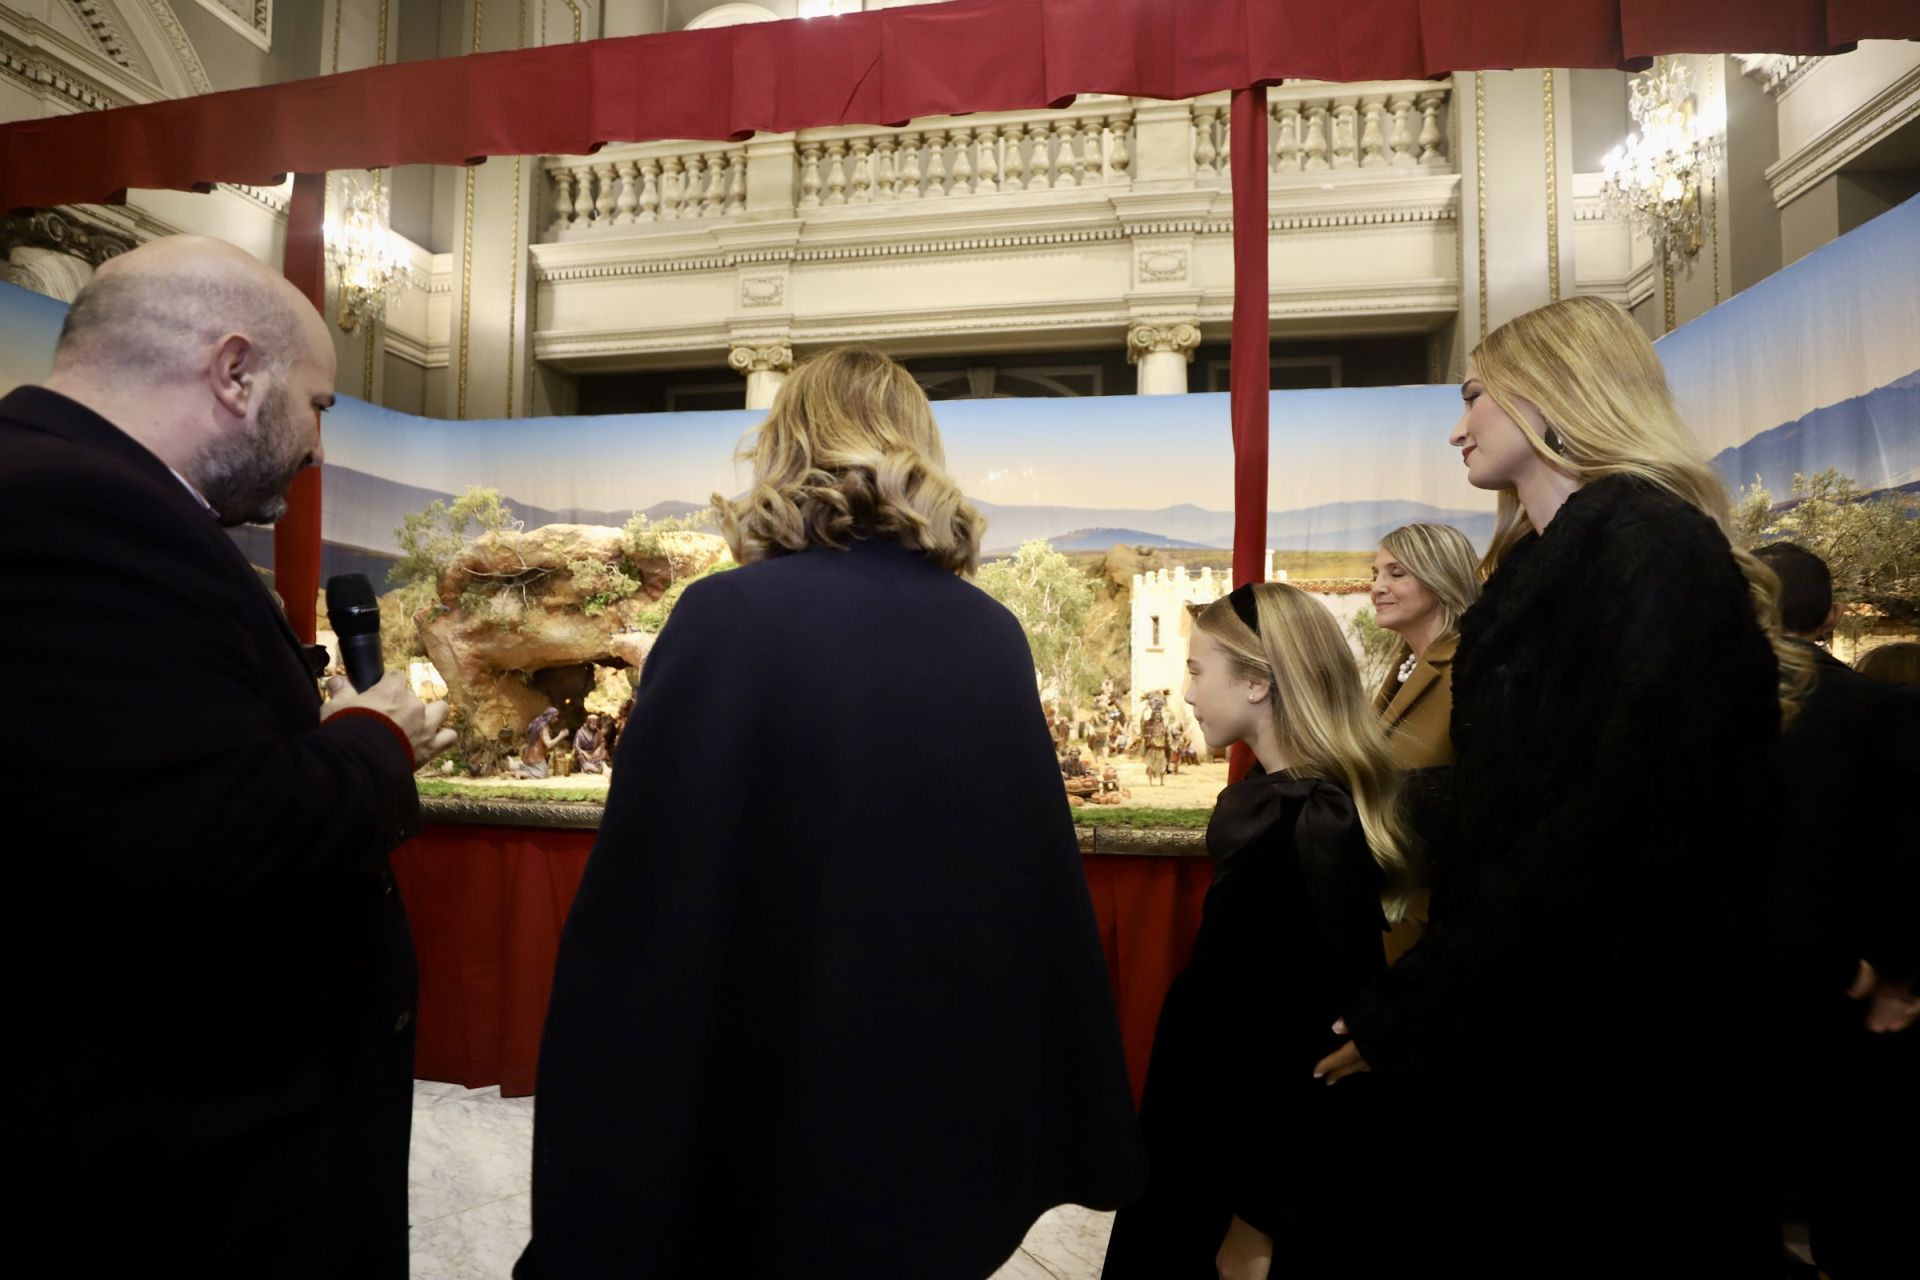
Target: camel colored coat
{"points": [[1416, 716]]}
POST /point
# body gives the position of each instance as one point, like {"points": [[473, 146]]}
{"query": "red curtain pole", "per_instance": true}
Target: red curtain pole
{"points": [[1250, 360], [296, 539]]}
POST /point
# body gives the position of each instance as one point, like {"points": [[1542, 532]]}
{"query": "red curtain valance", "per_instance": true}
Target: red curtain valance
{"points": [[888, 66]]}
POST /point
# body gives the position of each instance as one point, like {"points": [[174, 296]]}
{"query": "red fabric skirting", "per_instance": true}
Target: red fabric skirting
{"points": [[487, 905], [888, 66]]}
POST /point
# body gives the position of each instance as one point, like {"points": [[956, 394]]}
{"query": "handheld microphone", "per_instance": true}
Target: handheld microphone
{"points": [[354, 615]]}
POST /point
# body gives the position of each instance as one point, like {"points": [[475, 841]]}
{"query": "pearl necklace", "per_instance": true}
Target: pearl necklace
{"points": [[1406, 668]]}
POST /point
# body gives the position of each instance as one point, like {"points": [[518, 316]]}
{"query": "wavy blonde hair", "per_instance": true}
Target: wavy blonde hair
{"points": [[1442, 560], [850, 451], [1326, 724], [1594, 377]]}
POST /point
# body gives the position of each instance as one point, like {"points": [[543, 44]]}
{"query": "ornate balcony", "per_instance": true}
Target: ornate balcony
{"points": [[1042, 229]]}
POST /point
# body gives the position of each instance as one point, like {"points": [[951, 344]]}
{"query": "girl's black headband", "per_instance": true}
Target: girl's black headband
{"points": [[1241, 598]]}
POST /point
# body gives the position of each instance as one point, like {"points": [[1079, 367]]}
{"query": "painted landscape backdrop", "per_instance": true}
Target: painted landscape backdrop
{"points": [[1816, 367]]}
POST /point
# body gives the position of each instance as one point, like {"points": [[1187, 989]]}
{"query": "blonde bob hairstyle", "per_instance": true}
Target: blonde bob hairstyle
{"points": [[1439, 558], [850, 451], [1594, 377], [1325, 722]]}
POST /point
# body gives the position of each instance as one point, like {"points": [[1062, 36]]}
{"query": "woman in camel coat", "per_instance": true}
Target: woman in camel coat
{"points": [[1424, 578]]}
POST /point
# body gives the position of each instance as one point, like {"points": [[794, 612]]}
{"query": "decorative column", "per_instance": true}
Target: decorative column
{"points": [[1163, 349], [765, 367]]}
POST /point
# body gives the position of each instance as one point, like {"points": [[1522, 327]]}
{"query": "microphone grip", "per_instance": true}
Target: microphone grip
{"points": [[360, 655]]}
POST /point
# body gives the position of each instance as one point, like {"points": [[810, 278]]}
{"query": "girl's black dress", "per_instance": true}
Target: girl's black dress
{"points": [[1235, 1122]]}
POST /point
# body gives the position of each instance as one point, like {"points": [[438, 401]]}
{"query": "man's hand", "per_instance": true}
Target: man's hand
{"points": [[1342, 1062], [1246, 1253], [1891, 1006], [424, 723]]}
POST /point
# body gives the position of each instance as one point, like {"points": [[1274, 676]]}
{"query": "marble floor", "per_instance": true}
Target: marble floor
{"points": [[471, 1195]]}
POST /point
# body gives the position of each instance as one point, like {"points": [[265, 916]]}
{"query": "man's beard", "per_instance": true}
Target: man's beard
{"points": [[244, 476]]}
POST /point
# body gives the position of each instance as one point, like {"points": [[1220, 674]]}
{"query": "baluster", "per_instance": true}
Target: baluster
{"points": [[962, 162], [1223, 119], [1343, 135], [1373, 139], [810, 176], [1204, 152], [736, 182], [713, 201], [1316, 147], [1118, 160], [989, 166], [1016, 179], [1041, 165], [909, 181], [696, 188], [583, 198], [562, 201], [936, 162], [1067, 161], [672, 187], [1432, 141], [650, 191], [862, 172], [628, 200], [836, 168], [1287, 154], [1401, 137], [603, 198], [885, 177]]}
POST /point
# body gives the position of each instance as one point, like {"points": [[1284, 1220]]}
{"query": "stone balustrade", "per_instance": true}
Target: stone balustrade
{"points": [[626, 188], [1315, 129], [1323, 128]]}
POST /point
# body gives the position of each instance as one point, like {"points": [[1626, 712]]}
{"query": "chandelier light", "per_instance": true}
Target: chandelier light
{"points": [[1654, 178], [368, 262]]}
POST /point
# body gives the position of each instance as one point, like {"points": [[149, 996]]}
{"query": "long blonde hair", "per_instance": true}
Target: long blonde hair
{"points": [[850, 450], [1594, 377], [1440, 559], [1325, 723]]}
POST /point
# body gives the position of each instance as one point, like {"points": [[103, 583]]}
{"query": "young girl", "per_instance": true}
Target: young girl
{"points": [[1312, 860]]}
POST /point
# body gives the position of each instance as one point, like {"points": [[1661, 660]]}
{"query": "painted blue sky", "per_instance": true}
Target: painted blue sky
{"points": [[1114, 451], [1834, 326], [1839, 323]]}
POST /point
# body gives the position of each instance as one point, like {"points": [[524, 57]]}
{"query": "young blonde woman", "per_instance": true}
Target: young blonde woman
{"points": [[819, 1009], [1424, 579], [1579, 1026], [1311, 859]]}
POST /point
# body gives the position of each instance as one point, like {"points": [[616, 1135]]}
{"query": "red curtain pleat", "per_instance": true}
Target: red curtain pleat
{"points": [[883, 67], [487, 906]]}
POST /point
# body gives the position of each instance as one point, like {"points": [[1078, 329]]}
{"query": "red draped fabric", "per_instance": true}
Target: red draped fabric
{"points": [[888, 66], [487, 905]]}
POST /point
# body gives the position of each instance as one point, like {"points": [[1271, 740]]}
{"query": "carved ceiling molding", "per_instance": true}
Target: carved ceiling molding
{"points": [[252, 19]]}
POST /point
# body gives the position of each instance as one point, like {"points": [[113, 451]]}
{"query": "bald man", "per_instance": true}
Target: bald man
{"points": [[215, 971]]}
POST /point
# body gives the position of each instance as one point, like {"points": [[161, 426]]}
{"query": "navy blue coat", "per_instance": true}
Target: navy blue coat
{"points": [[831, 1000]]}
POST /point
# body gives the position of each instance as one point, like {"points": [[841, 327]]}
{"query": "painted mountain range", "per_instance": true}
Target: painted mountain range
{"points": [[1874, 438], [362, 512]]}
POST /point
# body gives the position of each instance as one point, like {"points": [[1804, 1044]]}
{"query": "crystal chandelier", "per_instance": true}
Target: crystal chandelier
{"points": [[1654, 178], [368, 261]]}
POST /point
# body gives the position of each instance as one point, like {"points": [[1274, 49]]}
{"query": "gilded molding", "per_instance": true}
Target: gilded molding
{"points": [[1553, 191], [1713, 187], [1480, 185]]}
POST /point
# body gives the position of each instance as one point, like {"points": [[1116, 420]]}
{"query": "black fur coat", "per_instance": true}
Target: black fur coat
{"points": [[1577, 1029]]}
